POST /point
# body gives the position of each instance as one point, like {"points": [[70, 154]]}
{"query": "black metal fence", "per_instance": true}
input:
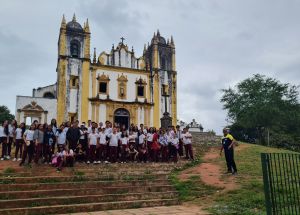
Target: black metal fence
{"points": [[281, 174]]}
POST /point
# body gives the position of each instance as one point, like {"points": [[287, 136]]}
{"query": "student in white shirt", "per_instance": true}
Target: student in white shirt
{"points": [[124, 146], [113, 145], [19, 141], [93, 140], [61, 136], [11, 129], [102, 147], [29, 145], [4, 138], [187, 141]]}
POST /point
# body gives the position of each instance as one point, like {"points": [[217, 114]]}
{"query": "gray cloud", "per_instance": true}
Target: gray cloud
{"points": [[218, 43]]}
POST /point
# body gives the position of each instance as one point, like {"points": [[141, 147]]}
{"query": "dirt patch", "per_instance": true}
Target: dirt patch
{"points": [[211, 172]]}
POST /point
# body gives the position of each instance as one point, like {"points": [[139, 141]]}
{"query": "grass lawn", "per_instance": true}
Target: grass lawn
{"points": [[248, 199]]}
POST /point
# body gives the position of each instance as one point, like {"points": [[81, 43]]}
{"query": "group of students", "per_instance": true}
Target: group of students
{"points": [[93, 143]]}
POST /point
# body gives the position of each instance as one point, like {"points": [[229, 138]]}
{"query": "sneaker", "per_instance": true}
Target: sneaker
{"points": [[2, 159], [19, 159], [15, 159], [8, 157], [50, 163], [88, 162], [234, 173], [99, 162], [95, 162], [105, 161]]}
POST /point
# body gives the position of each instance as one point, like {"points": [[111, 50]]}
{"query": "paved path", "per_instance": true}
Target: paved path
{"points": [[178, 209]]}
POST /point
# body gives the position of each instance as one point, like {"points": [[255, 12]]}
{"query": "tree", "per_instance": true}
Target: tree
{"points": [[261, 106], [5, 114]]}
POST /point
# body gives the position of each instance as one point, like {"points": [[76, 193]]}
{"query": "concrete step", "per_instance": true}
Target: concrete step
{"points": [[86, 207], [76, 191], [80, 184], [64, 200], [89, 177]]}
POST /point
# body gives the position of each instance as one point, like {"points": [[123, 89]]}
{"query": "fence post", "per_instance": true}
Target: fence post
{"points": [[264, 163]]}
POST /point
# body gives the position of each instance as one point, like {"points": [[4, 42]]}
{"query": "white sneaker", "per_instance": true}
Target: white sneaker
{"points": [[105, 161], [19, 159], [99, 162], [94, 162], [8, 157], [50, 163], [88, 162], [15, 159]]}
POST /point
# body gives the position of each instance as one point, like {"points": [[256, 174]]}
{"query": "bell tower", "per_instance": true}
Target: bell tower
{"points": [[73, 70], [160, 60]]}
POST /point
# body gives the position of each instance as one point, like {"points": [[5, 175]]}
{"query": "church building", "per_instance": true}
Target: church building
{"points": [[115, 85]]}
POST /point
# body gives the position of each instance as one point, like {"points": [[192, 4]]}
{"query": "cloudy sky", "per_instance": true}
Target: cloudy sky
{"points": [[218, 43]]}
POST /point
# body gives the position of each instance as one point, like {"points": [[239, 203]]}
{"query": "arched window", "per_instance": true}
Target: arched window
{"points": [[75, 48], [49, 95]]}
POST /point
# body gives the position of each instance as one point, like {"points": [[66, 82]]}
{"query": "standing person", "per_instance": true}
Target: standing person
{"points": [[83, 140], [61, 137], [93, 141], [124, 146], [19, 141], [228, 144], [4, 137], [39, 142], [29, 145], [102, 148], [180, 145], [49, 141], [11, 130], [113, 145], [53, 125], [132, 138], [187, 141], [163, 141], [73, 135], [149, 137], [155, 147]]}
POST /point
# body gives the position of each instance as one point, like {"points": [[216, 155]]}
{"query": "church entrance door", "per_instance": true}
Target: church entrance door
{"points": [[122, 117]]}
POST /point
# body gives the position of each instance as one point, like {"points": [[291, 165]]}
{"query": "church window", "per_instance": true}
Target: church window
{"points": [[140, 91], [103, 87], [140, 87], [74, 49], [74, 82]]}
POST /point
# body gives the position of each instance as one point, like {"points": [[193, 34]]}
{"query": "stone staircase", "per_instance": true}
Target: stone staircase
{"points": [[42, 190]]}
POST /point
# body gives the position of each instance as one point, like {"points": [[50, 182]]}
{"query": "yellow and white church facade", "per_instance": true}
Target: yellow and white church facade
{"points": [[116, 85]]}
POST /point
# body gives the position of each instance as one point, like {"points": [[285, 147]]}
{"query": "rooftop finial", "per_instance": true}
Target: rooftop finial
{"points": [[94, 58], [74, 18], [158, 34], [144, 48], [63, 21], [122, 40], [132, 50], [172, 41], [154, 35], [87, 26]]}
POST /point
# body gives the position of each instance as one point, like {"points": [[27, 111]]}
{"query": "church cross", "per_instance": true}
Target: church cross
{"points": [[122, 38]]}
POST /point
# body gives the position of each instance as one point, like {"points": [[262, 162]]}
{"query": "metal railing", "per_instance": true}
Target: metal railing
{"points": [[281, 174]]}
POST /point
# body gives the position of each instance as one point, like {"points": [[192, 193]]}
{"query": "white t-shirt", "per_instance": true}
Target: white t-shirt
{"points": [[102, 137], [2, 133], [107, 131], [93, 139], [187, 138], [131, 138], [142, 139], [150, 137], [18, 133], [29, 135], [82, 135], [11, 130], [124, 140], [61, 137], [114, 138]]}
